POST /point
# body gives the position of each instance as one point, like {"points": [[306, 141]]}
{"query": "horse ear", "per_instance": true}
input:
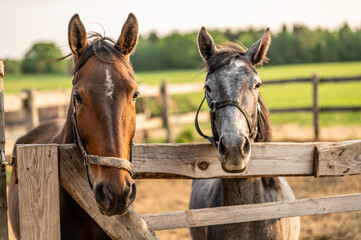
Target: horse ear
{"points": [[257, 52], [77, 35], [129, 35], [206, 45]]}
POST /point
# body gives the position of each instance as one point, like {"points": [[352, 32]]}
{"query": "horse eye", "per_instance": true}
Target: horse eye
{"points": [[136, 94], [257, 86], [77, 98], [207, 88]]}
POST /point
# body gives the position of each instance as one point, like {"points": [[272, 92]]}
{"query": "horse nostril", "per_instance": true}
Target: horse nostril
{"points": [[245, 147], [103, 196], [221, 147], [132, 194]]}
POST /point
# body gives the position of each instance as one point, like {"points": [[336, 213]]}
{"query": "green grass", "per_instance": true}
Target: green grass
{"points": [[276, 96]]}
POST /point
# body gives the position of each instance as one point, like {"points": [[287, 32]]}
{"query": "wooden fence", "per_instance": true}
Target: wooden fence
{"points": [[38, 166], [30, 101]]}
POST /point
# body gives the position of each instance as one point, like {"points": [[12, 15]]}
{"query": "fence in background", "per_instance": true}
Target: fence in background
{"points": [[30, 101]]}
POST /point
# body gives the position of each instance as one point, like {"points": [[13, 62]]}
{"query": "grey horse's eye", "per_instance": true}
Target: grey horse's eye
{"points": [[207, 88], [257, 86]]}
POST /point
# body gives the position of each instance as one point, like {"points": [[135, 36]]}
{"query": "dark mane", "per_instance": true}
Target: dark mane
{"points": [[104, 48], [225, 55], [264, 122]]}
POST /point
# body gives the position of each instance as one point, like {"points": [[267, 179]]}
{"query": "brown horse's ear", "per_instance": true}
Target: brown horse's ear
{"points": [[77, 35], [257, 52], [206, 45], [129, 36]]}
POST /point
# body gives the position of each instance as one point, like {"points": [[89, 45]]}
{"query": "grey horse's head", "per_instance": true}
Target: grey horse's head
{"points": [[232, 77]]}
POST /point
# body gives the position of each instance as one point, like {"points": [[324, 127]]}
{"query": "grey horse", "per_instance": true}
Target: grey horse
{"points": [[232, 78]]}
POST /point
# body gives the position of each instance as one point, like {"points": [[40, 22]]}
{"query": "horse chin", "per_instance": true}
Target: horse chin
{"points": [[233, 171], [110, 213]]}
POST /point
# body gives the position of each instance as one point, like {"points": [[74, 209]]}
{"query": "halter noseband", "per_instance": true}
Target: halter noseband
{"points": [[253, 134], [115, 162]]}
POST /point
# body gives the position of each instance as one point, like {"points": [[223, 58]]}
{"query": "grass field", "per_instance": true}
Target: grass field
{"points": [[276, 96]]}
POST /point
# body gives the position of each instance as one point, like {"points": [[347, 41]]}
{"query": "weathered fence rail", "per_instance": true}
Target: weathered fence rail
{"points": [[253, 212], [36, 162]]}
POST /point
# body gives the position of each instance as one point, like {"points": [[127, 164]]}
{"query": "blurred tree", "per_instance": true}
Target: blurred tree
{"points": [[12, 66], [39, 59]]}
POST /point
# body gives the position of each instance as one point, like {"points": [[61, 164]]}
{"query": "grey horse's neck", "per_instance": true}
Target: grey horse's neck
{"points": [[241, 191], [250, 190]]}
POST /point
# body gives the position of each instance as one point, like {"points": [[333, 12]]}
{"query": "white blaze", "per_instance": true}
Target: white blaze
{"points": [[109, 86]]}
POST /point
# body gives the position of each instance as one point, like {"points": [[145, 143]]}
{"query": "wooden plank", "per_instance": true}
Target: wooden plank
{"points": [[287, 110], [14, 102], [253, 212], [338, 159], [199, 160], [54, 98], [38, 191], [3, 199], [341, 79], [166, 111], [73, 179], [30, 110], [340, 109], [148, 91], [186, 88], [316, 107], [295, 80]]}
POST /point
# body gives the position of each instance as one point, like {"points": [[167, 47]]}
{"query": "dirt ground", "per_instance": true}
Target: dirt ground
{"points": [[172, 195]]}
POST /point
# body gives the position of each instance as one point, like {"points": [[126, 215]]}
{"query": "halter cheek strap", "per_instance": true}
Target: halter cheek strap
{"points": [[253, 134], [114, 162]]}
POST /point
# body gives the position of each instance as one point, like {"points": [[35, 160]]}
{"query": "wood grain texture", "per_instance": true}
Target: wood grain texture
{"points": [[253, 212], [200, 160], [3, 199], [38, 191], [338, 159], [73, 179]]}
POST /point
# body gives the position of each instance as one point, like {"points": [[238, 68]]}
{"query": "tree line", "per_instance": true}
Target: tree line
{"points": [[179, 50]]}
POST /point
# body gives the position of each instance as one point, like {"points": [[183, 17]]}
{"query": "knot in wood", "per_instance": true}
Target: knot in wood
{"points": [[203, 165]]}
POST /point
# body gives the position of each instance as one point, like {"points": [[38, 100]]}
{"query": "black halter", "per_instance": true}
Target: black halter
{"points": [[253, 134], [115, 162]]}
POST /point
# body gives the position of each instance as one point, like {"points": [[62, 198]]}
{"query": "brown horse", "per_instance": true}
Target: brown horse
{"points": [[103, 94], [238, 116]]}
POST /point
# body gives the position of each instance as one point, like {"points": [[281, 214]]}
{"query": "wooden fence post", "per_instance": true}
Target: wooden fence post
{"points": [[4, 235], [316, 107], [39, 209], [30, 111], [166, 110]]}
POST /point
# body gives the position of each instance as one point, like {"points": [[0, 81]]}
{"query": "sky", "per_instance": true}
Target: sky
{"points": [[24, 22]]}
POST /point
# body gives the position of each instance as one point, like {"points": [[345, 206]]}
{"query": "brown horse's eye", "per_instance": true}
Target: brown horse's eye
{"points": [[77, 97], [136, 94]]}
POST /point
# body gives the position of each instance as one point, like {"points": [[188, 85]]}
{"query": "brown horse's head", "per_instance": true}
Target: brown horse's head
{"points": [[231, 89], [104, 90]]}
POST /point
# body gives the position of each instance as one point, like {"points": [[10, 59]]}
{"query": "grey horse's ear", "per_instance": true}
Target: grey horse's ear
{"points": [[77, 35], [129, 35], [257, 52], [206, 45]]}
